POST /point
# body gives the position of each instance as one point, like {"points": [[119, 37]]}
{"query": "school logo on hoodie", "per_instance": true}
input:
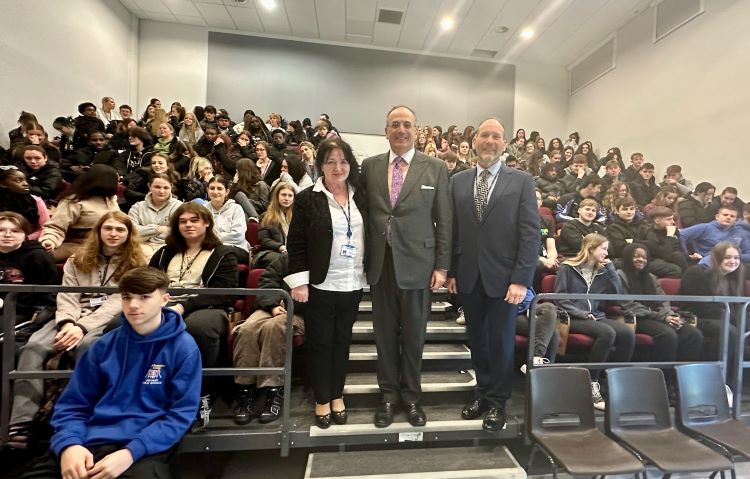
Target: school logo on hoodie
{"points": [[153, 375]]}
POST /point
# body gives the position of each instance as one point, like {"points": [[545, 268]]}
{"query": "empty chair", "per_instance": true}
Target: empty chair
{"points": [[703, 409], [638, 416], [561, 422]]}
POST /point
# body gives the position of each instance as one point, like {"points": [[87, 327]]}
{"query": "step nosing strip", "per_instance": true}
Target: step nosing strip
{"points": [[398, 427]]}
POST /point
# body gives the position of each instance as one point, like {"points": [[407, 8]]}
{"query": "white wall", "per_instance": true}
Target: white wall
{"points": [[541, 101], [173, 64], [58, 54], [681, 100]]}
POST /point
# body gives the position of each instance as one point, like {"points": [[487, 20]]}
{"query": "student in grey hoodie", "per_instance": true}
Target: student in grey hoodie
{"points": [[151, 216], [229, 218]]}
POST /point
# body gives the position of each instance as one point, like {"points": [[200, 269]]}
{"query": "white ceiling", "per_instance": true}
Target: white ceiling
{"points": [[565, 29]]}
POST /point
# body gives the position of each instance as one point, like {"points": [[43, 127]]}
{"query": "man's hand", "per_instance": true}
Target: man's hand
{"points": [[452, 286], [75, 461], [516, 293], [68, 337], [438, 279], [112, 465], [675, 321], [300, 293]]}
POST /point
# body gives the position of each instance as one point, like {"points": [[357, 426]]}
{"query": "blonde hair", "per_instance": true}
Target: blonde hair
{"points": [[590, 242], [196, 164], [275, 214]]}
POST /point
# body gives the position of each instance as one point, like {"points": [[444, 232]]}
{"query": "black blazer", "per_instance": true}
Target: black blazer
{"points": [[311, 232]]}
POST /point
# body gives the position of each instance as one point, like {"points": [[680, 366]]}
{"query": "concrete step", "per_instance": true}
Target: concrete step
{"points": [[436, 357], [483, 462], [436, 330], [437, 307], [432, 382]]}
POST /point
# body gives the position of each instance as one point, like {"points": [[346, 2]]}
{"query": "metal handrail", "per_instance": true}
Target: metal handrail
{"points": [[8, 347], [724, 333]]}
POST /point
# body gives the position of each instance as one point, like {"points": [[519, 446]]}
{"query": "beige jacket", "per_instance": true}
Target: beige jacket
{"points": [[78, 307], [73, 218]]}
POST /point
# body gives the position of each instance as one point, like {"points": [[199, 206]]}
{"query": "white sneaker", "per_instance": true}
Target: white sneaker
{"points": [[596, 395], [730, 396], [461, 319], [537, 361]]}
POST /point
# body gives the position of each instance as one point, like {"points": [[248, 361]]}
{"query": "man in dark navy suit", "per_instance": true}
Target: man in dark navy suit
{"points": [[495, 242]]}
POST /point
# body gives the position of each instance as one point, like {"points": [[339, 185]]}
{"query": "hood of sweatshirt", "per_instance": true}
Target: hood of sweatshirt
{"points": [[171, 326]]}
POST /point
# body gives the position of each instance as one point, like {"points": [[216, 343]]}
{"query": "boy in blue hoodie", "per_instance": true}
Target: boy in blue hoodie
{"points": [[133, 394]]}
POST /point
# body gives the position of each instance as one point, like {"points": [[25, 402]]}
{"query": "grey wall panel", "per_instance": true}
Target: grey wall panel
{"points": [[355, 86]]}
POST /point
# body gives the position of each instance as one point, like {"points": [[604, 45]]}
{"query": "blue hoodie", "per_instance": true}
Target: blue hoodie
{"points": [[702, 237], [141, 392]]}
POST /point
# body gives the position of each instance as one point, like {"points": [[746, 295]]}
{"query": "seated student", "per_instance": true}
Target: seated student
{"points": [[695, 208], [591, 272], [132, 396], [274, 227], [551, 187], [625, 228], [668, 197], [166, 141], [546, 340], [194, 257], [97, 152], [673, 177], [137, 182], [152, 216], [80, 208], [573, 232], [668, 260], [43, 175], [612, 173], [229, 219], [15, 195], [293, 172], [111, 250], [631, 172], [548, 261], [24, 261], [698, 240], [34, 134], [138, 154], [673, 339], [195, 184], [453, 164], [728, 199], [644, 188], [723, 276], [260, 341], [567, 206], [249, 189]]}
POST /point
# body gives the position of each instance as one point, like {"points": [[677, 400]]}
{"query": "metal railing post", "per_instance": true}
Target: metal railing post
{"points": [[9, 361]]}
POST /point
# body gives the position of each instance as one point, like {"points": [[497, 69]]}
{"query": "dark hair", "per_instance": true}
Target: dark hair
{"points": [[547, 167], [36, 148], [22, 203], [222, 117], [26, 116], [209, 109], [220, 179], [592, 179], [674, 169], [87, 104], [306, 122], [324, 150], [296, 168], [646, 166], [627, 201], [98, 180], [661, 212], [704, 186], [175, 238], [248, 175], [579, 159], [61, 122], [729, 189], [142, 135], [18, 220], [161, 176], [126, 107], [143, 280], [153, 101], [639, 281], [198, 111], [450, 156], [732, 284]]}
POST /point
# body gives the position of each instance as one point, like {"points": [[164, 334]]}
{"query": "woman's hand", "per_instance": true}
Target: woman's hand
{"points": [[68, 337], [300, 293], [282, 249], [242, 142]]}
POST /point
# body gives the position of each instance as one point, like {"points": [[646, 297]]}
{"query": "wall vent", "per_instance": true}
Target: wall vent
{"points": [[593, 66], [670, 15], [478, 52], [393, 17]]}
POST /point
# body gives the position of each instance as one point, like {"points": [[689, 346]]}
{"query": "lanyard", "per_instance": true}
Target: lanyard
{"points": [[347, 216], [184, 269], [103, 279]]}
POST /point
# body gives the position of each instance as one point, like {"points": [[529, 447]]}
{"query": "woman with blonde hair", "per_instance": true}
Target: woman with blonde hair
{"points": [[590, 272], [112, 248], [195, 185], [274, 227], [191, 130]]}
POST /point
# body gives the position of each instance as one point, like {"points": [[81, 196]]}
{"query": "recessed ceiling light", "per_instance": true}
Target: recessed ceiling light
{"points": [[527, 33], [500, 29], [447, 23], [268, 4]]}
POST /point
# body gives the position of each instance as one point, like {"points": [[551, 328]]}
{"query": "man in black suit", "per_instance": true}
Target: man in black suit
{"points": [[408, 251], [495, 241]]}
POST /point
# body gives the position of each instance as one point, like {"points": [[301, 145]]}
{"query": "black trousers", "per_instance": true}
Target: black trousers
{"points": [[157, 466], [491, 327], [209, 328], [613, 340], [329, 318], [672, 344], [399, 323]]}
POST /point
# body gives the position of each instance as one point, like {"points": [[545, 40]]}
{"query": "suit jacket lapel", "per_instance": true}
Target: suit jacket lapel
{"points": [[503, 181], [381, 177], [415, 170]]}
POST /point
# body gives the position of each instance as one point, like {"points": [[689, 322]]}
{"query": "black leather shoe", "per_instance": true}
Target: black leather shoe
{"points": [[475, 409], [384, 414], [339, 417], [324, 421], [495, 419], [415, 414], [242, 411], [272, 411]]}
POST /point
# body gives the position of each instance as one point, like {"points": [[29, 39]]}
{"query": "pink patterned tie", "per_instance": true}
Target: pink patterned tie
{"points": [[397, 180]]}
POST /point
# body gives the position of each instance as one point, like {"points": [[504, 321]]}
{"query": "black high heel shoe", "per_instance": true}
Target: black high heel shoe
{"points": [[339, 417], [324, 421]]}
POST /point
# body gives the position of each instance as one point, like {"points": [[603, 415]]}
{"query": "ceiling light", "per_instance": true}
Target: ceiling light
{"points": [[527, 33], [268, 4], [447, 23]]}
